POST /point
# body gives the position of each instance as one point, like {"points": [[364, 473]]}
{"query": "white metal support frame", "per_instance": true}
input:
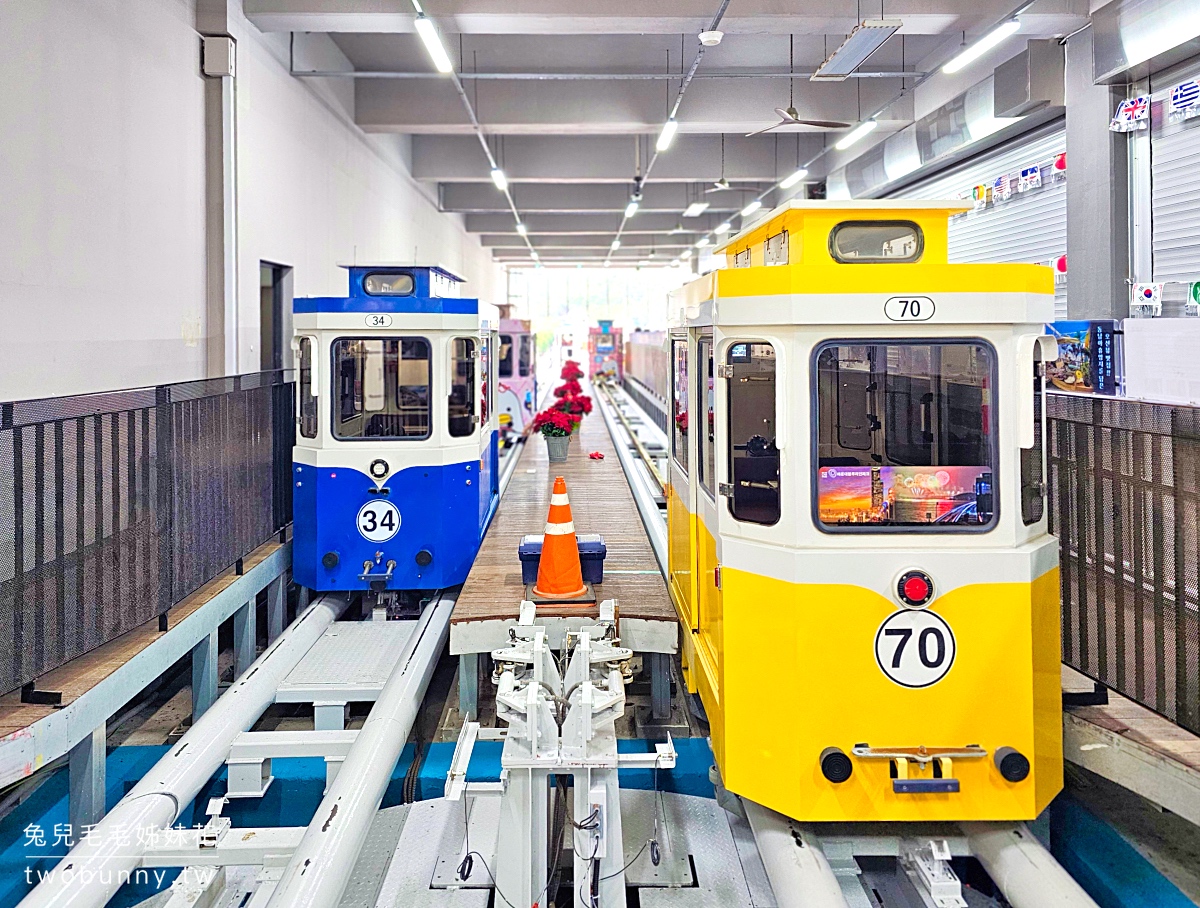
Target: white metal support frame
{"points": [[558, 724], [157, 800], [320, 868]]}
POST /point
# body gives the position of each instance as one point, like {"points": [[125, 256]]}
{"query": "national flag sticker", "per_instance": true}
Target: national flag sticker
{"points": [[1132, 114], [1185, 101]]}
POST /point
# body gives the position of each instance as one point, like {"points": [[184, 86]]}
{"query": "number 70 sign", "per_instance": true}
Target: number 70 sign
{"points": [[915, 647]]}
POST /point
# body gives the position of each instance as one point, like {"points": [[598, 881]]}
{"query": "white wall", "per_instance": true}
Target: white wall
{"points": [[101, 195], [315, 192], [102, 214]]}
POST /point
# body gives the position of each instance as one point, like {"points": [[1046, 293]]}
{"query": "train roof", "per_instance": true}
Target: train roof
{"points": [[798, 210], [418, 289]]}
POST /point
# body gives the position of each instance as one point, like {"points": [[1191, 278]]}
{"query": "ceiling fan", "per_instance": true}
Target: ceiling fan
{"points": [[722, 184], [789, 116]]}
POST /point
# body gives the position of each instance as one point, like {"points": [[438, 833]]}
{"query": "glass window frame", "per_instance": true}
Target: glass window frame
{"points": [[510, 359], [876, 222], [335, 400], [727, 347], [525, 356], [994, 404], [706, 385], [471, 384], [370, 274], [308, 403], [1031, 462], [683, 462]]}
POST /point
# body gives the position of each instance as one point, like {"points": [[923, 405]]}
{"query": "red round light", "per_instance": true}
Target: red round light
{"points": [[916, 589]]}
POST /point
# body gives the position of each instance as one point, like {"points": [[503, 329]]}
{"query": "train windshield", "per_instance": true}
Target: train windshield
{"points": [[525, 357], [381, 388], [906, 435], [504, 362]]}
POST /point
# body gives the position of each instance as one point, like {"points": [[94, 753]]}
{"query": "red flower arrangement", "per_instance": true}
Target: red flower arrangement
{"points": [[571, 371], [553, 422], [576, 406], [568, 389]]}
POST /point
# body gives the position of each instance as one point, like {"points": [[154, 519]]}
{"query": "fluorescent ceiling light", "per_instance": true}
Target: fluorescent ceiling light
{"points": [[855, 134], [631, 208], [982, 46], [695, 209], [615, 245], [859, 44], [667, 134], [607, 263], [533, 254], [499, 179], [686, 254], [790, 181], [751, 208], [522, 229], [723, 227], [428, 32], [702, 242]]}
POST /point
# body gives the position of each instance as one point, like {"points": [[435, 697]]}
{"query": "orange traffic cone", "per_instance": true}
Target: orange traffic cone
{"points": [[559, 574]]}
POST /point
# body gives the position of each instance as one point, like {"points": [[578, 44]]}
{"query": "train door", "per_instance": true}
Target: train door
{"points": [[752, 468], [680, 522], [489, 449], [704, 492]]}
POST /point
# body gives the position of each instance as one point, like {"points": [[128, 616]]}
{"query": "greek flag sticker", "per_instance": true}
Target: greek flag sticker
{"points": [[1184, 98]]}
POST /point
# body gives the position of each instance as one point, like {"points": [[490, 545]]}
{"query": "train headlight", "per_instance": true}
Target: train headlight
{"points": [[378, 468], [836, 765], [914, 589], [1013, 765]]}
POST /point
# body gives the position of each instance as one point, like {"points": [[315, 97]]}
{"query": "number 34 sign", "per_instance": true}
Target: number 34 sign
{"points": [[378, 521], [915, 647]]}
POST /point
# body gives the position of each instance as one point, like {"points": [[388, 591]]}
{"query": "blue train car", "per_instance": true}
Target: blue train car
{"points": [[395, 467]]}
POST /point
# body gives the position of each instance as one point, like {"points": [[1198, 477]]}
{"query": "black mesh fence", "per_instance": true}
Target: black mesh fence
{"points": [[1125, 503], [115, 506]]}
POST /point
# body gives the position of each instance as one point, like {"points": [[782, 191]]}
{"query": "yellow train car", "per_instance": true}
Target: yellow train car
{"points": [[858, 551]]}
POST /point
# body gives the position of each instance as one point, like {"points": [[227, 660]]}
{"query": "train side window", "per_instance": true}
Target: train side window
{"points": [[926, 410], [706, 394], [679, 436], [525, 355], [462, 387], [504, 361], [862, 242], [307, 406], [754, 495], [381, 388], [1033, 481]]}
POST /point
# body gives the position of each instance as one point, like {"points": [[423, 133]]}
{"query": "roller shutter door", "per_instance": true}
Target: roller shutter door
{"points": [[1029, 227], [1175, 192]]}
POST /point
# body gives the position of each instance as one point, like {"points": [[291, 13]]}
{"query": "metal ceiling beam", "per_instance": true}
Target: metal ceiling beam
{"points": [[611, 159], [599, 241], [581, 223], [531, 198], [587, 77], [588, 17], [594, 108]]}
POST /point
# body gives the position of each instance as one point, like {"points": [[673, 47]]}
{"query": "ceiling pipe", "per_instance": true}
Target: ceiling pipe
{"points": [[585, 77], [683, 86]]}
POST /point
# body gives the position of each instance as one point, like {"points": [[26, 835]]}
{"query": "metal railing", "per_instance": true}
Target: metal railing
{"points": [[115, 506], [1125, 503]]}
